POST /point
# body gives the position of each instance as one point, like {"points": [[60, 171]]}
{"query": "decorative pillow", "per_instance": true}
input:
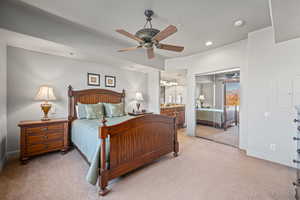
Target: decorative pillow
{"points": [[94, 111], [114, 110], [80, 110]]}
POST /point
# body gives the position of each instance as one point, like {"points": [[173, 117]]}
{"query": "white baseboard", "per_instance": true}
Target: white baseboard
{"points": [[267, 157], [12, 154], [2, 162], [8, 155]]}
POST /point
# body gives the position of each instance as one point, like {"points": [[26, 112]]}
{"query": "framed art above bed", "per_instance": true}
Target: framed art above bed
{"points": [[93, 79], [110, 81]]}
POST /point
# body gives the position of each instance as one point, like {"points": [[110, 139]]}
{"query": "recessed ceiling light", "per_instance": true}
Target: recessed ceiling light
{"points": [[239, 23], [208, 43]]}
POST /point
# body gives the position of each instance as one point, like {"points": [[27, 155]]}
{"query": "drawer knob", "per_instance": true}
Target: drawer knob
{"points": [[296, 120], [44, 129], [45, 136], [46, 146]]}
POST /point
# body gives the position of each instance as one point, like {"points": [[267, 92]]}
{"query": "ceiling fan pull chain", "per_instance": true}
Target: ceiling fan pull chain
{"points": [[148, 21], [146, 24]]}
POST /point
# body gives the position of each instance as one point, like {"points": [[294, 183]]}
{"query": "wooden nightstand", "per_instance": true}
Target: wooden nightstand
{"points": [[39, 137]]}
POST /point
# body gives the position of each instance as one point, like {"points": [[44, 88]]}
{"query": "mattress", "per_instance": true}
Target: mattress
{"points": [[210, 115]]}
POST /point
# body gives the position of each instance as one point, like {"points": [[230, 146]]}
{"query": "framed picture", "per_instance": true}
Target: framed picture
{"points": [[110, 81], [93, 79]]}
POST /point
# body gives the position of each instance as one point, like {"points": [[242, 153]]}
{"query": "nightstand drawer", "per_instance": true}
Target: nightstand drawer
{"points": [[43, 129], [41, 138], [44, 147]]}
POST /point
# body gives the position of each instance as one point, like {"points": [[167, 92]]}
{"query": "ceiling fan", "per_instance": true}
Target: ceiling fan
{"points": [[149, 37]]}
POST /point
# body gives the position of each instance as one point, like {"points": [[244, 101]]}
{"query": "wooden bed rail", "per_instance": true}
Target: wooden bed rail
{"points": [[134, 143]]}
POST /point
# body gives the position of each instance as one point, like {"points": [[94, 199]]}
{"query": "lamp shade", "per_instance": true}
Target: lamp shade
{"points": [[202, 97], [139, 96], [45, 93]]}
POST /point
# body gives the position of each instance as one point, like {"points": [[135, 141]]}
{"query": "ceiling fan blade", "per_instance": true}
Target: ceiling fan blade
{"points": [[170, 47], [150, 53], [127, 34], [165, 33], [129, 49]]}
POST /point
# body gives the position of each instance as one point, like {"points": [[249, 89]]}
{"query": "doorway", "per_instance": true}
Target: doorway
{"points": [[217, 106]]}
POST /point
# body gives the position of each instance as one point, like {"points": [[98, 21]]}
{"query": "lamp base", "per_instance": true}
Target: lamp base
{"points": [[138, 107], [45, 108], [202, 104], [45, 119]]}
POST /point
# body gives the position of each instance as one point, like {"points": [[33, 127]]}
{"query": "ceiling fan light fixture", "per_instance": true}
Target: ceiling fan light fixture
{"points": [[147, 34], [148, 45]]}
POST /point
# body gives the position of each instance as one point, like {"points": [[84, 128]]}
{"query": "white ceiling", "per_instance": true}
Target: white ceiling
{"points": [[47, 47], [197, 20], [285, 19]]}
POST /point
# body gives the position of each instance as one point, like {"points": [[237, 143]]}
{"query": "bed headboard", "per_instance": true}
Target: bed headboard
{"points": [[92, 96]]}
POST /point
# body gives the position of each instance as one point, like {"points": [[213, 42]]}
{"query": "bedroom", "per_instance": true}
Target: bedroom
{"points": [[138, 146]]}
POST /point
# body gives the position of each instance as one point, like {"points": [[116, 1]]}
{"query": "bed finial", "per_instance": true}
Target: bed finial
{"points": [[70, 89], [123, 93], [104, 121]]}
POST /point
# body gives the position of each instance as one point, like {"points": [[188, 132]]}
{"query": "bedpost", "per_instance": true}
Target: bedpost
{"points": [[103, 181], [176, 145], [123, 100], [123, 93], [70, 94], [103, 123]]}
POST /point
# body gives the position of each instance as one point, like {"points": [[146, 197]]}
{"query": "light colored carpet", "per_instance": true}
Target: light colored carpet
{"points": [[230, 136], [204, 170]]}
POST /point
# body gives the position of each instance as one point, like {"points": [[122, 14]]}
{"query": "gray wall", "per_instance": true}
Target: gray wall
{"points": [[273, 88], [28, 70], [3, 115]]}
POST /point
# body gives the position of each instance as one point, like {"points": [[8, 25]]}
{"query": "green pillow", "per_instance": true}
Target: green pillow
{"points": [[80, 110], [114, 110], [94, 111]]}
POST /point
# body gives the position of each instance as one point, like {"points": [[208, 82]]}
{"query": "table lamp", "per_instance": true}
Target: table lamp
{"points": [[45, 94], [139, 98], [201, 98]]}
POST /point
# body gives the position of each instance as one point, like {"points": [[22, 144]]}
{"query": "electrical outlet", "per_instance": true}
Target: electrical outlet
{"points": [[273, 147]]}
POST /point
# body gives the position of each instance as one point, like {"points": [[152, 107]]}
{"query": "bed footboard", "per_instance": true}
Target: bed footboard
{"points": [[135, 143]]}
